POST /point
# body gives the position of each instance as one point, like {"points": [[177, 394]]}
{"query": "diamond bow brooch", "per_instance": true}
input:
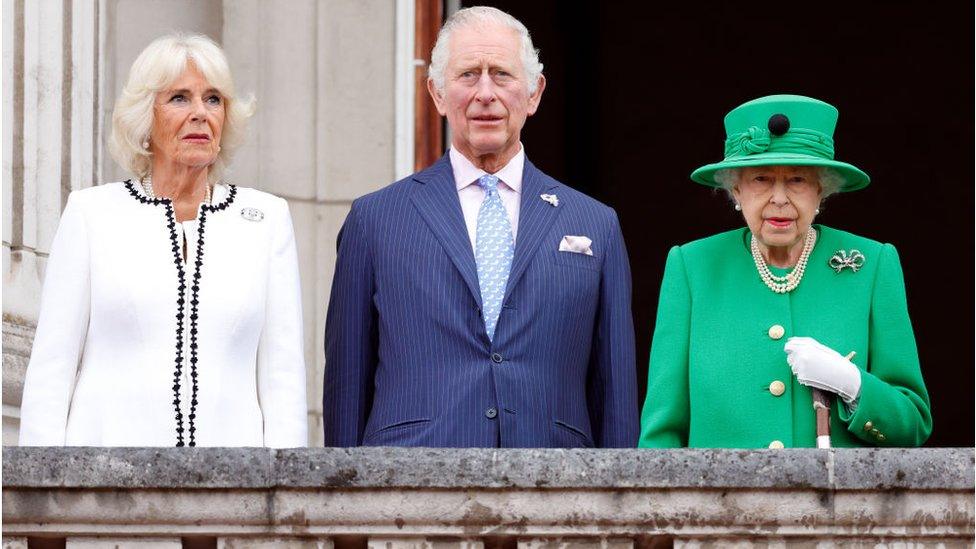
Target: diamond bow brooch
{"points": [[843, 259]]}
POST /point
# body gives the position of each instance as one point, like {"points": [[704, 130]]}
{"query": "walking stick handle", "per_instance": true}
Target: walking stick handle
{"points": [[821, 404]]}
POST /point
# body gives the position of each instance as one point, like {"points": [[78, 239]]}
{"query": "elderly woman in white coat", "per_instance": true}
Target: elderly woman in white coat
{"points": [[171, 311]]}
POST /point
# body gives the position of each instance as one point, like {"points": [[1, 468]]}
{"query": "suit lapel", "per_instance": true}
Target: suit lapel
{"points": [[536, 216], [436, 198]]}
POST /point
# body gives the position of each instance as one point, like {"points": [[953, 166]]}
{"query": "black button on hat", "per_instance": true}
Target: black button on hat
{"points": [[778, 124]]}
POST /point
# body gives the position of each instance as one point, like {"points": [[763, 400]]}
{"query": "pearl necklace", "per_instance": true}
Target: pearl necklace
{"points": [[147, 186], [788, 283]]}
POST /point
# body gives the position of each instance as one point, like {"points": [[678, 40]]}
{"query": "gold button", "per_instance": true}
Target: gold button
{"points": [[875, 432], [776, 444], [881, 438], [868, 425], [776, 331], [777, 388]]}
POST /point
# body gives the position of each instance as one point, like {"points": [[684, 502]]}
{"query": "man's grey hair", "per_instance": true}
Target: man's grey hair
{"points": [[480, 15], [830, 180]]}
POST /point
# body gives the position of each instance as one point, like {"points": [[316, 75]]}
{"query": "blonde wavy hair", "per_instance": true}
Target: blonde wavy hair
{"points": [[157, 67]]}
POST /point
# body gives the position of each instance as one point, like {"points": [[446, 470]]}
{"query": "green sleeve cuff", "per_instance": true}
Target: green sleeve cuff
{"points": [[862, 420]]}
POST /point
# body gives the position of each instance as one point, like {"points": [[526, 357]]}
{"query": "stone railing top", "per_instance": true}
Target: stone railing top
{"points": [[406, 468]]}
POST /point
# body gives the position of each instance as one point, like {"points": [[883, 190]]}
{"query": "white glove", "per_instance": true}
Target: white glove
{"points": [[819, 366]]}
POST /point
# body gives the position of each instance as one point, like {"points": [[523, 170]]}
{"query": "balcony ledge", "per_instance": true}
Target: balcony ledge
{"points": [[921, 495]]}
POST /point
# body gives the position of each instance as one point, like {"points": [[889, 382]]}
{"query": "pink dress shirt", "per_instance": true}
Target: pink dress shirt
{"points": [[466, 176]]}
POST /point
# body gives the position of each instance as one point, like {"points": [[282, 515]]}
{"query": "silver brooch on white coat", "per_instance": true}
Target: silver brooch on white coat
{"points": [[842, 259], [252, 214], [551, 199]]}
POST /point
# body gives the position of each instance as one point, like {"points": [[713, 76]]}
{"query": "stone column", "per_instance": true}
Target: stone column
{"points": [[50, 136]]}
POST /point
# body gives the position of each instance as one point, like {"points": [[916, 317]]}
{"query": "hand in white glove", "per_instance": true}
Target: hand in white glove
{"points": [[819, 366]]}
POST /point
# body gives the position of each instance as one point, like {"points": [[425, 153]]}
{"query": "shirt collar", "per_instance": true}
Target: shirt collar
{"points": [[466, 173]]}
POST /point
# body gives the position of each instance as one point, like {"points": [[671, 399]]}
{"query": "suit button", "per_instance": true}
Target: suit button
{"points": [[490, 413], [777, 388], [875, 433], [496, 358], [881, 438], [776, 444], [868, 426], [776, 331]]}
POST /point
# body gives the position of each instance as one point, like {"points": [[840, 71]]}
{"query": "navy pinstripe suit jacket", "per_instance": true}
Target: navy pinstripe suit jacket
{"points": [[408, 361]]}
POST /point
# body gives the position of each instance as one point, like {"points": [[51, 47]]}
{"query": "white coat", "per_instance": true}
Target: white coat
{"points": [[137, 347]]}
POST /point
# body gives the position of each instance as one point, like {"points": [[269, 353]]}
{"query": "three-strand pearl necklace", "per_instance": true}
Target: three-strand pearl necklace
{"points": [[147, 186], [788, 283]]}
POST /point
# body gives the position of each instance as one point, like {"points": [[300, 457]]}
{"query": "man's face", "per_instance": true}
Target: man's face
{"points": [[486, 95]]}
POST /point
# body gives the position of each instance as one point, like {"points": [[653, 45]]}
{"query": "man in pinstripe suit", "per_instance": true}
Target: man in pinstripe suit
{"points": [[480, 302]]}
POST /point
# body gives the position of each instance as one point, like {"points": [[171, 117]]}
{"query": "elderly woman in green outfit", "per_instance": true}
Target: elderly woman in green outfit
{"points": [[751, 320]]}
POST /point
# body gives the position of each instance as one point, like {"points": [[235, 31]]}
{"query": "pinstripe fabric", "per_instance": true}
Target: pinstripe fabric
{"points": [[408, 360]]}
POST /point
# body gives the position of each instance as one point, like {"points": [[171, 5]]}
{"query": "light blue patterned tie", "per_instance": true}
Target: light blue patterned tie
{"points": [[494, 249]]}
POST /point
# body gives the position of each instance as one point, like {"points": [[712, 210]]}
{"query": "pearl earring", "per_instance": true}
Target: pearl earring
{"points": [[145, 144], [816, 212], [738, 207]]}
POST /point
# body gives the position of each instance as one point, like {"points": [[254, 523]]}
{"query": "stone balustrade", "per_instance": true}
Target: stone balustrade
{"points": [[398, 498]]}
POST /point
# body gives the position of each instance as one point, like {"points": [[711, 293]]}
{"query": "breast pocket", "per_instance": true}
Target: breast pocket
{"points": [[578, 260], [572, 283]]}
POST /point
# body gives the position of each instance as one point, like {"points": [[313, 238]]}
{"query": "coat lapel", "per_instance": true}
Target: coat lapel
{"points": [[536, 216], [436, 198]]}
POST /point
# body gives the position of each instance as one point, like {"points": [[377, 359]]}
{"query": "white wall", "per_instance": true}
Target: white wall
{"points": [[323, 134]]}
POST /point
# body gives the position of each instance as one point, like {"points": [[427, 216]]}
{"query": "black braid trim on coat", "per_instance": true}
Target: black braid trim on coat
{"points": [[181, 304]]}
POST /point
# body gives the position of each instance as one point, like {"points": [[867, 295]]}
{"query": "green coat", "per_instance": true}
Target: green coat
{"points": [[714, 357]]}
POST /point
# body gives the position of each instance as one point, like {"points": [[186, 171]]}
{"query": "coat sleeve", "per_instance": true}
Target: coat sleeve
{"points": [[665, 418], [893, 395], [61, 332], [281, 356], [350, 338], [612, 381]]}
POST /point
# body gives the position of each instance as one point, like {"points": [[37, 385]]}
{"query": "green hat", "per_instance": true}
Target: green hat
{"points": [[782, 130]]}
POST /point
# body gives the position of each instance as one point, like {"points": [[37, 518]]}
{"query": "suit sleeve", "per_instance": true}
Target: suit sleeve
{"points": [[350, 339], [281, 356], [893, 395], [664, 420], [61, 332], [612, 383]]}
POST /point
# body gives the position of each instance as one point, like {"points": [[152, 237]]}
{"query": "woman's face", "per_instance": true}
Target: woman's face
{"points": [[778, 202], [189, 117]]}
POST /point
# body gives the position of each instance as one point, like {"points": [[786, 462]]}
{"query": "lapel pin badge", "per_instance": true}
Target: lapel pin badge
{"points": [[842, 259], [551, 199], [252, 214]]}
